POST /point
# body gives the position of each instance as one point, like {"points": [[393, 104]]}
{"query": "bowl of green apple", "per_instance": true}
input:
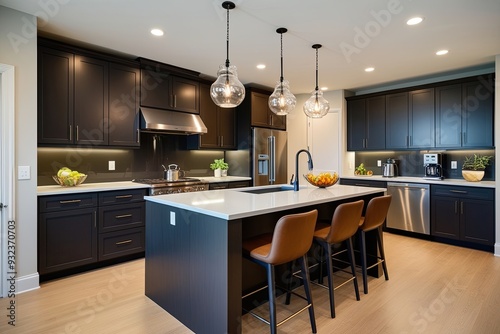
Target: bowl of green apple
{"points": [[69, 178]]}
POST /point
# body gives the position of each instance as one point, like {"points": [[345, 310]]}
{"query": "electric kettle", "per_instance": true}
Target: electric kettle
{"points": [[390, 168]]}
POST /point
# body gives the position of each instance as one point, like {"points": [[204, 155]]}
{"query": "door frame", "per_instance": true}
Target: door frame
{"points": [[7, 156]]}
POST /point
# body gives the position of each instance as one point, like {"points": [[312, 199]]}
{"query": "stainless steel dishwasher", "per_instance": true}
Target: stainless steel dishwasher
{"points": [[410, 207]]}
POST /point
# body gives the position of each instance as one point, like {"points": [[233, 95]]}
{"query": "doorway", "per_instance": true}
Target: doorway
{"points": [[7, 185]]}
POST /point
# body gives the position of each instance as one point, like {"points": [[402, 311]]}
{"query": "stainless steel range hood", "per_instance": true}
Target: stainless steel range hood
{"points": [[172, 122]]}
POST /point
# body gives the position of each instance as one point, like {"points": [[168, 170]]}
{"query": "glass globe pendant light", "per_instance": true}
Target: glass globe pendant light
{"points": [[316, 106], [227, 91], [282, 101]]}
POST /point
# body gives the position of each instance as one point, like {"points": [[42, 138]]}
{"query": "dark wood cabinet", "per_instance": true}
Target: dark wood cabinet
{"points": [[163, 89], [87, 228], [396, 113], [220, 123], [55, 96], [362, 182], [464, 114], [463, 213], [421, 118], [261, 114], [67, 232], [366, 124], [91, 101], [85, 100], [123, 127], [228, 185]]}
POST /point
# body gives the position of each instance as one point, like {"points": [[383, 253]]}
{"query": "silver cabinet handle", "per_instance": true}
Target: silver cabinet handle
{"points": [[70, 201], [70, 132], [123, 242], [123, 196], [77, 133], [124, 216], [459, 191], [138, 136]]}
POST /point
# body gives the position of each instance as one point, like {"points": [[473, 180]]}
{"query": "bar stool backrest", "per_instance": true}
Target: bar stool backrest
{"points": [[292, 237], [345, 221], [376, 212]]}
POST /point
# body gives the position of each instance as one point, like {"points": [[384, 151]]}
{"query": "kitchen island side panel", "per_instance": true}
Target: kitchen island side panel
{"points": [[193, 268]]}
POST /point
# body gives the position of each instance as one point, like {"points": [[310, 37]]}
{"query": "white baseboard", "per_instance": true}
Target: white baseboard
{"points": [[497, 249], [27, 283]]}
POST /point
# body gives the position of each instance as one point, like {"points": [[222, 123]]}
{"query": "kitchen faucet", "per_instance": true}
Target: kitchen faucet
{"points": [[309, 163]]}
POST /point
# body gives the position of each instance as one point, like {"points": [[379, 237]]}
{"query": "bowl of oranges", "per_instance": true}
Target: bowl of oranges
{"points": [[322, 179]]}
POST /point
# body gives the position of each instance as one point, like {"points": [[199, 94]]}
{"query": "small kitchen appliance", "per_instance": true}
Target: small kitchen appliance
{"points": [[433, 168], [390, 168]]}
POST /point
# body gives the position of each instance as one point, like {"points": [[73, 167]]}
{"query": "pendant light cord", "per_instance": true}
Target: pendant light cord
{"points": [[281, 77], [227, 38], [316, 69]]}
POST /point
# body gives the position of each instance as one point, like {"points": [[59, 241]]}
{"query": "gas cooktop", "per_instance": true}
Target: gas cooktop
{"points": [[165, 183]]}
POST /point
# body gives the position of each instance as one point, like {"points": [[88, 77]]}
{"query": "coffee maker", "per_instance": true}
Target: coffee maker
{"points": [[433, 168]]}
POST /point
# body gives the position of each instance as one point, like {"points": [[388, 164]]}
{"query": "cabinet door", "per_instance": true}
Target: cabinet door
{"points": [[478, 113], [55, 96], [445, 220], [277, 121], [260, 110], [123, 127], [155, 88], [356, 125], [449, 116], [396, 113], [375, 123], [227, 127], [477, 223], [208, 113], [185, 95], [421, 112], [67, 239], [91, 101]]}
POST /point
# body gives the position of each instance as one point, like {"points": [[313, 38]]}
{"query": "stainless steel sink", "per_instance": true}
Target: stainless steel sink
{"points": [[267, 190]]}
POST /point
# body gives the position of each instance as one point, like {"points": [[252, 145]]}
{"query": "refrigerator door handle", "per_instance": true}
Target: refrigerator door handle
{"points": [[272, 160]]}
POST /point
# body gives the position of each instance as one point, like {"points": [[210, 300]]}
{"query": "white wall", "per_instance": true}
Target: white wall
{"points": [[22, 54]]}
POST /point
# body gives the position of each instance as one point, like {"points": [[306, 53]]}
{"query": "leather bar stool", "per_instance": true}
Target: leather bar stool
{"points": [[375, 215], [291, 240], [343, 227]]}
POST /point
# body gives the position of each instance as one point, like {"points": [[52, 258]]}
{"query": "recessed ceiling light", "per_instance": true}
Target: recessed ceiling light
{"points": [[324, 88], [414, 20], [157, 32], [369, 69], [261, 66], [442, 52]]}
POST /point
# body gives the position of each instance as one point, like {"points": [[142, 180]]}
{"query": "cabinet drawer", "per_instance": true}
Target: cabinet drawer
{"points": [[218, 185], [120, 243], [121, 196], [362, 182], [464, 192], [117, 217], [239, 184], [66, 202]]}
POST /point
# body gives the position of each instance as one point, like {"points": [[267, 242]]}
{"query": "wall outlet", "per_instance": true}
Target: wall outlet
{"points": [[23, 172], [379, 163], [453, 165], [172, 218], [111, 165]]}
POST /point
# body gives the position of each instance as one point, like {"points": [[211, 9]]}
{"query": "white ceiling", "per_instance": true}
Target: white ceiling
{"points": [[195, 36]]}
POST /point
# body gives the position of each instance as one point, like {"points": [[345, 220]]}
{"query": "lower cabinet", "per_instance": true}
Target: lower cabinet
{"points": [[228, 185], [362, 182], [83, 229], [463, 213]]}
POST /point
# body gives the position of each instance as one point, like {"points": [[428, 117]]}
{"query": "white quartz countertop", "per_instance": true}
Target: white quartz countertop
{"points": [[89, 187], [407, 179], [212, 179], [236, 203]]}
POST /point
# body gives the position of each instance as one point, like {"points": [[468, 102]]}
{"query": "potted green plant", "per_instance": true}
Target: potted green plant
{"points": [[474, 166], [218, 166]]}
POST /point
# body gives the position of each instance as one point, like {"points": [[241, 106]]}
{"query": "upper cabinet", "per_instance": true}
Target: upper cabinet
{"points": [[220, 123], [464, 114], [84, 100], [447, 115], [261, 114], [366, 124], [164, 89]]}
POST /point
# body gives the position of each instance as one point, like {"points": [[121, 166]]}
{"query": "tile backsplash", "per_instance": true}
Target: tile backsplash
{"points": [[143, 162]]}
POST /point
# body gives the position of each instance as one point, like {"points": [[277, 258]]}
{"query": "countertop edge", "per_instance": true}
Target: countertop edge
{"points": [[89, 187], [410, 179]]}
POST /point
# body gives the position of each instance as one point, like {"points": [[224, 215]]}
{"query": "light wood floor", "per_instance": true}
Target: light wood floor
{"points": [[433, 288]]}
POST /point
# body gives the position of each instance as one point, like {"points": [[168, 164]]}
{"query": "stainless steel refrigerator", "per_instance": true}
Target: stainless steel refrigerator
{"points": [[269, 156]]}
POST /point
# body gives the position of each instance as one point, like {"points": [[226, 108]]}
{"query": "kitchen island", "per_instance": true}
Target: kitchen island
{"points": [[194, 267]]}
